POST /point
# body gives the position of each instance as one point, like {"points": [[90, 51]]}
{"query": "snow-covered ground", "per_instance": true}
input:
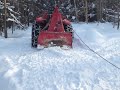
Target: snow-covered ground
{"points": [[26, 68]]}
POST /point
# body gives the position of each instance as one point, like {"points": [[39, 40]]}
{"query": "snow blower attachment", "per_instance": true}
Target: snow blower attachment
{"points": [[52, 30]]}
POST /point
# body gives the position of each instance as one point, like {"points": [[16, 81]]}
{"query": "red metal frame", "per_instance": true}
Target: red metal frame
{"points": [[55, 34]]}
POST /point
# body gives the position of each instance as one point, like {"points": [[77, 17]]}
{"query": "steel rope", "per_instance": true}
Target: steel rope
{"points": [[97, 53]]}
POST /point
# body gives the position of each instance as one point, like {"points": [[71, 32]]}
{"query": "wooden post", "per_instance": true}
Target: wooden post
{"points": [[5, 14]]}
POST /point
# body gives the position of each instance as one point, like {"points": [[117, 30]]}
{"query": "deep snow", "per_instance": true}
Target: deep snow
{"points": [[26, 68]]}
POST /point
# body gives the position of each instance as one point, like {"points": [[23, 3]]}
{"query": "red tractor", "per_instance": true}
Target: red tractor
{"points": [[52, 30]]}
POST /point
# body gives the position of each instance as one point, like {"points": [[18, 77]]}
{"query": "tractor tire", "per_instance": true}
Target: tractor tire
{"points": [[35, 33], [68, 28]]}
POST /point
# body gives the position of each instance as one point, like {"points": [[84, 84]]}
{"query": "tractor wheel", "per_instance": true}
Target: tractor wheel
{"points": [[35, 32], [68, 28]]}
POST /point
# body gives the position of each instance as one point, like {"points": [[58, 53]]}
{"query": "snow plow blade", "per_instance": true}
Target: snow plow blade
{"points": [[48, 39]]}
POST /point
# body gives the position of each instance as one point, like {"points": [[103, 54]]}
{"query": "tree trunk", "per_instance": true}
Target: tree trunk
{"points": [[5, 14], [118, 19], [101, 10], [76, 10], [86, 11]]}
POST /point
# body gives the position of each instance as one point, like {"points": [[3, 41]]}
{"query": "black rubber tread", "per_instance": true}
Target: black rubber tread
{"points": [[35, 32]]}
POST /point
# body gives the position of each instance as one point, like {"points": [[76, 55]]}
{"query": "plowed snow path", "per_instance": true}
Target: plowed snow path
{"points": [[56, 69]]}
